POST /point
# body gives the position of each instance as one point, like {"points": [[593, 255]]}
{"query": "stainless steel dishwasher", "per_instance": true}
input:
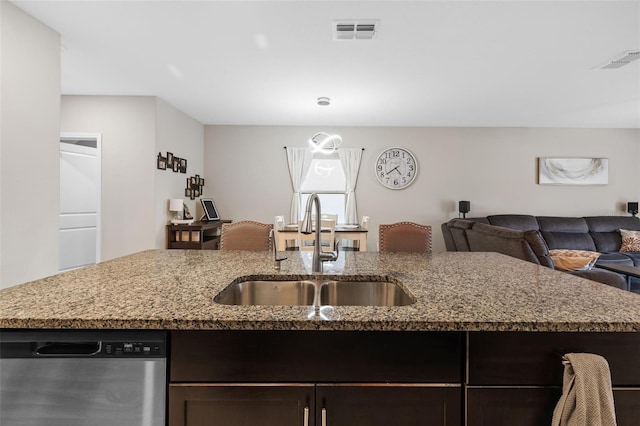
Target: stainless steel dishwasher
{"points": [[88, 378]]}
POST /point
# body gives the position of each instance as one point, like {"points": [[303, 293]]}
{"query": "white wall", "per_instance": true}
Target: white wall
{"points": [[494, 168], [180, 134], [29, 135], [127, 125]]}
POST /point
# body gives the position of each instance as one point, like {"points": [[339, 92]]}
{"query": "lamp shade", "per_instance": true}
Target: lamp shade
{"points": [[176, 204]]}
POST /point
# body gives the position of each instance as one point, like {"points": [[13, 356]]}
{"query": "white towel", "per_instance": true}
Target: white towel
{"points": [[587, 398]]}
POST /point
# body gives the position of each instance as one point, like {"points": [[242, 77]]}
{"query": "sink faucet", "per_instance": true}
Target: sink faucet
{"points": [[306, 228]]}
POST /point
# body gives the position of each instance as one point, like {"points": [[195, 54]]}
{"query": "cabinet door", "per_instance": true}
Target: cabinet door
{"points": [[388, 404], [511, 406], [240, 405], [504, 406]]}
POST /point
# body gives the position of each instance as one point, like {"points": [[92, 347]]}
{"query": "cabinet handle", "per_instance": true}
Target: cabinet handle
{"points": [[305, 421], [324, 417]]}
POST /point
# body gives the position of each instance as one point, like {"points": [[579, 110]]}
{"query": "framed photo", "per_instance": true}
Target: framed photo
{"points": [[162, 162], [187, 192], [176, 164], [209, 208], [201, 182], [170, 159], [573, 171], [183, 165], [193, 181]]}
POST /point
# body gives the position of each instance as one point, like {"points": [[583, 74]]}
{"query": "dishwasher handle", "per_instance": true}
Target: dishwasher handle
{"points": [[68, 349]]}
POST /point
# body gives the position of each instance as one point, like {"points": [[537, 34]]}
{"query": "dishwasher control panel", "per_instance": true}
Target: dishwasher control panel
{"points": [[133, 349], [83, 344]]}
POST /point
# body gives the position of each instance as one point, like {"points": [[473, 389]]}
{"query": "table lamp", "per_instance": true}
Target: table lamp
{"points": [[176, 205]]}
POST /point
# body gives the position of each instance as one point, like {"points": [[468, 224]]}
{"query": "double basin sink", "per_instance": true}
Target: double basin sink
{"points": [[314, 292]]}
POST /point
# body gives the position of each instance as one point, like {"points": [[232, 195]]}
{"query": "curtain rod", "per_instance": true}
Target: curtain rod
{"points": [[302, 147]]}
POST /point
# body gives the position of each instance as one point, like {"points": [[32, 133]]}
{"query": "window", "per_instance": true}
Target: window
{"points": [[326, 178]]}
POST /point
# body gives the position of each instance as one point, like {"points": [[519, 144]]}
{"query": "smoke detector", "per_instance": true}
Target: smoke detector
{"points": [[361, 29], [621, 60]]}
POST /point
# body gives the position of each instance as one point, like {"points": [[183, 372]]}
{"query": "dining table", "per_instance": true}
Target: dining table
{"points": [[343, 232]]}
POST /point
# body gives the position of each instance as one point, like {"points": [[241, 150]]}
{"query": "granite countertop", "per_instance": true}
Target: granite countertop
{"points": [[174, 289]]}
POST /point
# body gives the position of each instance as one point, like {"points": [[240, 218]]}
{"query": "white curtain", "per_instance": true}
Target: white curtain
{"points": [[350, 159], [299, 160]]}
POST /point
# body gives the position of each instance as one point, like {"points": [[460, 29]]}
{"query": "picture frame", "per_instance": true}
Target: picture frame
{"points": [[187, 192], [209, 208], [170, 160], [573, 171], [183, 165], [176, 164], [162, 162]]}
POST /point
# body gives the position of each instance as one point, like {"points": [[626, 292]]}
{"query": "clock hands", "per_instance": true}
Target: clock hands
{"points": [[395, 168]]}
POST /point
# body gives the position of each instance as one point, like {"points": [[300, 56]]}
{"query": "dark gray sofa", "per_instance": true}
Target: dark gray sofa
{"points": [[531, 237]]}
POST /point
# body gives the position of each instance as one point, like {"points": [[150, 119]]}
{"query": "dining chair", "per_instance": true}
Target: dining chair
{"points": [[327, 236], [364, 224], [405, 237], [329, 216], [246, 235]]}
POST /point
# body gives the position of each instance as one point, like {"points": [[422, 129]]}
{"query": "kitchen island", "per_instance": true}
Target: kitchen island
{"points": [[482, 344]]}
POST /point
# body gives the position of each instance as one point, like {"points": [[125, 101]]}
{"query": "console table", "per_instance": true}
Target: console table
{"points": [[197, 236], [629, 271]]}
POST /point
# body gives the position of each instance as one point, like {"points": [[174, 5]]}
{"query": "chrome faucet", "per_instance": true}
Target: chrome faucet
{"points": [[307, 228]]}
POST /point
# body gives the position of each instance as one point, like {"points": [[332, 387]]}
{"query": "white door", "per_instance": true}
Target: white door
{"points": [[80, 171]]}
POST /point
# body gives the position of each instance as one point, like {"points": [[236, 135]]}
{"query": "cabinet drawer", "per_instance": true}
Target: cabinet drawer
{"points": [[316, 356], [518, 358]]}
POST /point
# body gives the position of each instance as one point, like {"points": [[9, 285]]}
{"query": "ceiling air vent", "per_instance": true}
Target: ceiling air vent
{"points": [[621, 60], [355, 30]]}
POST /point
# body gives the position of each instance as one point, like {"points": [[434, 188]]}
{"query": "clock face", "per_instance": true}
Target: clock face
{"points": [[396, 168]]}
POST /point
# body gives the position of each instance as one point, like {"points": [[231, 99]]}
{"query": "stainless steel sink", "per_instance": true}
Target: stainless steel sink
{"points": [[314, 292], [363, 293], [268, 292]]}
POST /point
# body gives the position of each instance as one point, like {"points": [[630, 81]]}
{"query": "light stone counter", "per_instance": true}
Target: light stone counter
{"points": [[174, 289]]}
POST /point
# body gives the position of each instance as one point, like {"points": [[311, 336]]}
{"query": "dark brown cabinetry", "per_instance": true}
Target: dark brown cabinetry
{"points": [[388, 404], [373, 378], [197, 236], [241, 404], [285, 404], [381, 378], [516, 378]]}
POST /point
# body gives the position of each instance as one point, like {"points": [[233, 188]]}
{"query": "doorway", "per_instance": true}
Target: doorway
{"points": [[80, 188]]}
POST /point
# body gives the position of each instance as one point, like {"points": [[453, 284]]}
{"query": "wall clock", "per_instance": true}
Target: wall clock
{"points": [[396, 168]]}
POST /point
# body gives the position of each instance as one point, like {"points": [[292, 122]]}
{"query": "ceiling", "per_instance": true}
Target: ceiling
{"points": [[432, 63]]}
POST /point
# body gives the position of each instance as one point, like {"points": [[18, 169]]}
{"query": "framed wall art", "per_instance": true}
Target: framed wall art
{"points": [[573, 171]]}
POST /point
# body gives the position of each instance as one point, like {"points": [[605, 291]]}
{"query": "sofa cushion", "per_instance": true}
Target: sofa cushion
{"points": [[616, 258], [457, 229], [489, 238], [605, 230], [570, 233], [519, 222], [573, 260], [630, 241]]}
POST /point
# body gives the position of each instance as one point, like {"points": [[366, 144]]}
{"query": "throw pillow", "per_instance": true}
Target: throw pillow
{"points": [[630, 240], [573, 260]]}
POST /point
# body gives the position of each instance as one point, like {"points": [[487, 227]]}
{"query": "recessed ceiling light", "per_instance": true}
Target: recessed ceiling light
{"points": [[324, 101]]}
